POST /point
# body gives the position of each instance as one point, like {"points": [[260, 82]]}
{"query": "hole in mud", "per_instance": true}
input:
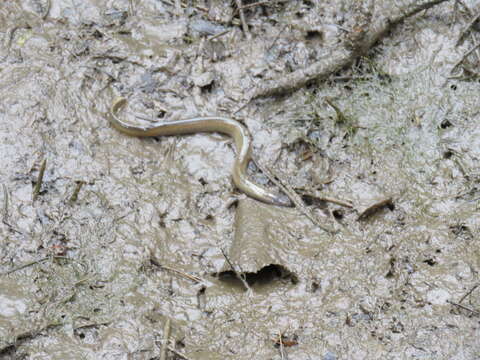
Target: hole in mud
{"points": [[430, 262], [445, 124], [447, 154], [308, 3], [264, 276], [314, 35], [337, 214]]}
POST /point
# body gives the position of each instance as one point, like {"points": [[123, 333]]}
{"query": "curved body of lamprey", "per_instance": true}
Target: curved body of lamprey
{"points": [[206, 124]]}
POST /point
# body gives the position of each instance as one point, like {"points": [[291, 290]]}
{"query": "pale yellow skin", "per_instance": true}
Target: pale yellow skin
{"points": [[206, 124]]}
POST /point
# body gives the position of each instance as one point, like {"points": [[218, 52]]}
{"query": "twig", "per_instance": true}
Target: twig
{"points": [[166, 337], [469, 292], [258, 3], [172, 349], [281, 344], [276, 37], [74, 196], [240, 277], [242, 18], [131, 8], [343, 57], [464, 57], [46, 11], [5, 214], [467, 28], [218, 35], [329, 199], [38, 185], [464, 307], [5, 203], [181, 273], [465, 7], [20, 267], [294, 197]]}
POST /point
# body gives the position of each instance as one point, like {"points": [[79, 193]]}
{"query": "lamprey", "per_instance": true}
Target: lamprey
{"points": [[206, 124]]}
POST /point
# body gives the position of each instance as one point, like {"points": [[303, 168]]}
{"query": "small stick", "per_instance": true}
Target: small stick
{"points": [[38, 185], [467, 28], [46, 11], [131, 8], [336, 201], [178, 353], [277, 37], [281, 344], [218, 35], [5, 203], [74, 196], [330, 199], [20, 267], [242, 18], [469, 292], [464, 307], [237, 274], [185, 275], [464, 57], [294, 197], [386, 202], [258, 3], [166, 337]]}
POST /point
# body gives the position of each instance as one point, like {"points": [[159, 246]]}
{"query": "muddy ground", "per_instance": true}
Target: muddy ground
{"points": [[125, 239]]}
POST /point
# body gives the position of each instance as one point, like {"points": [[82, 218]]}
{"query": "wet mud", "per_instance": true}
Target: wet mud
{"points": [[105, 237]]}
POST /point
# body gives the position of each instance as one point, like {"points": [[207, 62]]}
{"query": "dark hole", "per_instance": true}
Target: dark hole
{"points": [[445, 124], [308, 3], [391, 206], [430, 262], [313, 35], [81, 336], [447, 154], [438, 251], [307, 199], [207, 88], [453, 87], [337, 214], [97, 34], [202, 181], [265, 275]]}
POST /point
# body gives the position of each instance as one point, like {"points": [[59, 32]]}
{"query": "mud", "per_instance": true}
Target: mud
{"points": [[158, 219]]}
